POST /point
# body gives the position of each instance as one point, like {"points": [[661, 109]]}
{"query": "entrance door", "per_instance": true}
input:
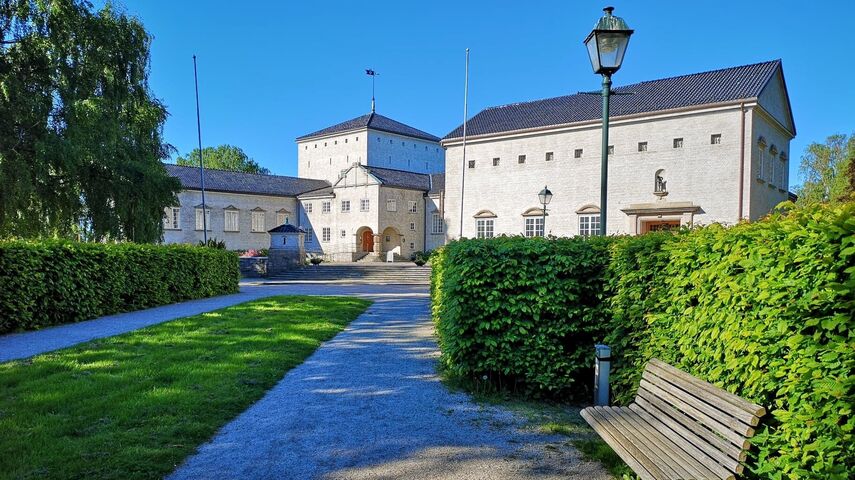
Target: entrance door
{"points": [[660, 225], [368, 241]]}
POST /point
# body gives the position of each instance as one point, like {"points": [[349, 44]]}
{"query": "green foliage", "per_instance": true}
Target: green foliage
{"points": [[53, 282], [764, 310], [224, 157], [80, 130], [829, 171], [524, 312], [140, 403], [213, 243], [316, 260]]}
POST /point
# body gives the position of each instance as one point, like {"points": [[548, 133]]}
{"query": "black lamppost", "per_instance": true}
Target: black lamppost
{"points": [[606, 46], [545, 197]]}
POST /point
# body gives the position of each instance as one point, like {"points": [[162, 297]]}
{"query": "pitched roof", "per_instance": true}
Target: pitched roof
{"points": [[286, 228], [374, 121], [437, 183], [715, 86], [237, 182], [401, 178]]}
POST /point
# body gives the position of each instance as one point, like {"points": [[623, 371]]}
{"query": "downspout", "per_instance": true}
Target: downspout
{"points": [[741, 161]]}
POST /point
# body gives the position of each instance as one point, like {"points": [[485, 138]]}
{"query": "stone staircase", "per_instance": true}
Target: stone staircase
{"points": [[367, 272]]}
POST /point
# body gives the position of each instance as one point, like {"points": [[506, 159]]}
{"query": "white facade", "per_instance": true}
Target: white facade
{"points": [[696, 151]]}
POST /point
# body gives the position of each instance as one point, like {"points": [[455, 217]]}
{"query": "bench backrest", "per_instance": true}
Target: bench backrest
{"points": [[698, 416]]}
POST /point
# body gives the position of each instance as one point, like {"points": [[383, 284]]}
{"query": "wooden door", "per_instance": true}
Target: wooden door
{"points": [[660, 225], [368, 241]]}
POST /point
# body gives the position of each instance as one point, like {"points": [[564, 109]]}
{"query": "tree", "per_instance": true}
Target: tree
{"points": [[224, 157], [828, 171], [80, 131]]}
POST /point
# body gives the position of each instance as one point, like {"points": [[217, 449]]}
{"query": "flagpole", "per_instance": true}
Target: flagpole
{"points": [[465, 116], [201, 164]]}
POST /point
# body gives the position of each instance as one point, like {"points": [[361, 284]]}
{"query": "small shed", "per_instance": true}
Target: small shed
{"points": [[287, 248]]}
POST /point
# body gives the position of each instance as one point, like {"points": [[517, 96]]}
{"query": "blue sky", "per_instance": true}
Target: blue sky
{"points": [[276, 70]]}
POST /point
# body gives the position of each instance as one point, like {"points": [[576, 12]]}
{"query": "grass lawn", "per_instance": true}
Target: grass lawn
{"points": [[549, 417], [135, 405]]}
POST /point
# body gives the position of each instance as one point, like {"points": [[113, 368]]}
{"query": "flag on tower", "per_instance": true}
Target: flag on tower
{"points": [[368, 71]]}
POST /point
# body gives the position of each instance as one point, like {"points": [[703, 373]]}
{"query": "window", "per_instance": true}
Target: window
{"points": [[232, 217], [521, 159], [325, 234], [413, 226], [309, 235], [412, 207], [364, 205], [343, 233], [589, 225], [611, 149], [761, 159], [471, 163], [412, 246], [325, 144], [549, 156], [678, 143], [534, 227], [715, 139], [577, 153], [258, 221], [485, 228], [171, 218], [336, 142], [769, 166], [436, 224], [391, 205], [642, 146], [496, 162], [199, 221], [282, 217], [326, 207], [345, 206], [308, 207]]}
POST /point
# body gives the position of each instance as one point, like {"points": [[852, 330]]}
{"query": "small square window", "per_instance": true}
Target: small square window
{"points": [[336, 142], [325, 144], [549, 156], [471, 163], [413, 226], [412, 246], [521, 159], [642, 147], [715, 139], [611, 149], [678, 143], [345, 140], [343, 233], [577, 153], [496, 162]]}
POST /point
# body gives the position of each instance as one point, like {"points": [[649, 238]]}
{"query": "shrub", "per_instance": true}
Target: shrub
{"points": [[316, 260], [764, 310], [213, 243], [53, 282], [522, 311]]}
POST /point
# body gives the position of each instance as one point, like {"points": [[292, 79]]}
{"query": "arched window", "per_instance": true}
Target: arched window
{"points": [[588, 220], [485, 224]]}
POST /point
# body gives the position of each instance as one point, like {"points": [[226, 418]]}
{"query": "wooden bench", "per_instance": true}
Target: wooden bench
{"points": [[678, 427]]}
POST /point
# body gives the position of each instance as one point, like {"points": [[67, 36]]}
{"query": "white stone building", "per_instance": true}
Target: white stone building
{"points": [[718, 142], [694, 149]]}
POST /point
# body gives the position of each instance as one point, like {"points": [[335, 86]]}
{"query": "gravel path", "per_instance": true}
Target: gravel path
{"points": [[369, 405], [14, 346]]}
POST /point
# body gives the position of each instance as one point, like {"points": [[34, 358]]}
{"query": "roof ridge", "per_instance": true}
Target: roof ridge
{"points": [[643, 82], [394, 170]]}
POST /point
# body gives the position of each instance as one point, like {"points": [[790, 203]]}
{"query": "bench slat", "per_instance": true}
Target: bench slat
{"points": [[700, 411], [699, 399], [714, 395], [711, 459], [692, 431], [643, 443], [624, 449], [681, 460]]}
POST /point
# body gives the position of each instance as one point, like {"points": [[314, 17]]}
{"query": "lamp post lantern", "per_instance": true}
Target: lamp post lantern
{"points": [[545, 197], [606, 46]]}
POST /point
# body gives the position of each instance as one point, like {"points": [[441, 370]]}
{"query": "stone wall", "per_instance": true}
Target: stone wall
{"points": [[253, 267]]}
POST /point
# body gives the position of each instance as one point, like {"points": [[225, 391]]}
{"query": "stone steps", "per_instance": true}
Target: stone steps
{"points": [[380, 273]]}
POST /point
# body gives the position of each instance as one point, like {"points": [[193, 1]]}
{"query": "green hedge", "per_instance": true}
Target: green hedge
{"points": [[524, 312], [53, 282], [765, 310]]}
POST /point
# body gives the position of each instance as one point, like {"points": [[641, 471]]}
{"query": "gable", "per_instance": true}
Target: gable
{"points": [[776, 101], [356, 175]]}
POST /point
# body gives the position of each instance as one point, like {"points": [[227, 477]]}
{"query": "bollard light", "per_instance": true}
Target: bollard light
{"points": [[601, 374]]}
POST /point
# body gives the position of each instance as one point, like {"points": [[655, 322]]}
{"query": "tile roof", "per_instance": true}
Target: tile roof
{"points": [[237, 182], [374, 121], [437, 183], [715, 86], [321, 192], [286, 228], [401, 178]]}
